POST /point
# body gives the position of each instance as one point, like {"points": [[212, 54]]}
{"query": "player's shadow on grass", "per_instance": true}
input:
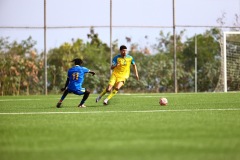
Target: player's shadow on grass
{"points": [[88, 106], [97, 105]]}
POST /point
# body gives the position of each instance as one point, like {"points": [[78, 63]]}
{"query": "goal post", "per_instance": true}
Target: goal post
{"points": [[231, 61]]}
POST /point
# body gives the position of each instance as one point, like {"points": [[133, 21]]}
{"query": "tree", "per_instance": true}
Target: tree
{"points": [[19, 67], [208, 58]]}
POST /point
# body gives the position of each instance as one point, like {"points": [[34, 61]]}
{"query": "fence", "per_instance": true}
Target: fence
{"points": [[114, 20]]}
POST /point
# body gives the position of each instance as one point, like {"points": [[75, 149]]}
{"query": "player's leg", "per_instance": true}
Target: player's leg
{"points": [[85, 94], [65, 93], [117, 86], [108, 88], [105, 90], [85, 97]]}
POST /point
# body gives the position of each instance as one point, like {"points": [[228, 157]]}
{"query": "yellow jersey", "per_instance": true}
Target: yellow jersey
{"points": [[123, 69]]}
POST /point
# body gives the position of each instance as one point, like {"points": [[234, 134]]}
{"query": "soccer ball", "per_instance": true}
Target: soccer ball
{"points": [[163, 101]]}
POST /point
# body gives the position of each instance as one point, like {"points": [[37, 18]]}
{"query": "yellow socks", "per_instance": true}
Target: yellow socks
{"points": [[103, 93], [109, 96], [112, 94]]}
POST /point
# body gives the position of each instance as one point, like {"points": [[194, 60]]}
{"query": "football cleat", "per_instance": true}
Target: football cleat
{"points": [[105, 102], [82, 106], [58, 104], [98, 98]]}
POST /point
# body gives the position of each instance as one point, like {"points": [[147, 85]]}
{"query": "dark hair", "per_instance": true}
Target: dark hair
{"points": [[77, 61], [122, 47]]}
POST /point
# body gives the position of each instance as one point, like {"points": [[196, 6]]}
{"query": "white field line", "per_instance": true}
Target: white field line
{"points": [[121, 94], [14, 100], [10, 100], [99, 112]]}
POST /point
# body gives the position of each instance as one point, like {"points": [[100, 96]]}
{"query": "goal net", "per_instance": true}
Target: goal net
{"points": [[231, 61]]}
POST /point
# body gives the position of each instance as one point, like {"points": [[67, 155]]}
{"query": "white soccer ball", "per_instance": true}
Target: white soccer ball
{"points": [[163, 101]]}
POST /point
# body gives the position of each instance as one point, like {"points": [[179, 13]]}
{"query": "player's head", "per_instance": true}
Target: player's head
{"points": [[122, 47], [77, 61], [123, 50]]}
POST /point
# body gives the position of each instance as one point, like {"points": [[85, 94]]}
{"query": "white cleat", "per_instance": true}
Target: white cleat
{"points": [[82, 106], [98, 98], [105, 102]]}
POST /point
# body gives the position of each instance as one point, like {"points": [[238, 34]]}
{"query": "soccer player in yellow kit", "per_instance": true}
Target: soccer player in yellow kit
{"points": [[121, 71]]}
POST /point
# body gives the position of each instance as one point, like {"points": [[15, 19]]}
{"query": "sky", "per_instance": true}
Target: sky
{"points": [[86, 13]]}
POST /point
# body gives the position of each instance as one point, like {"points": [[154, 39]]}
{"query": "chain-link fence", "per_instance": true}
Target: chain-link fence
{"points": [[134, 23]]}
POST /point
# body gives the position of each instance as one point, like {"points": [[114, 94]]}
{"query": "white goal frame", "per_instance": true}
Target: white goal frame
{"points": [[225, 56]]}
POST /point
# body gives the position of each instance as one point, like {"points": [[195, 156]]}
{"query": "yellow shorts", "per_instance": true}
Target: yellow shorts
{"points": [[113, 80]]}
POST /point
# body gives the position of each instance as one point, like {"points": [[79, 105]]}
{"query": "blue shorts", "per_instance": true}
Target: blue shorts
{"points": [[77, 92]]}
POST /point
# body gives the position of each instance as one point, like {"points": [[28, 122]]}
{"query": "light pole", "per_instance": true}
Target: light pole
{"points": [[175, 54], [196, 64], [111, 35], [45, 54]]}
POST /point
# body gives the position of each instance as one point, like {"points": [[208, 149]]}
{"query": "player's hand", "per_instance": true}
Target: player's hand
{"points": [[63, 89], [112, 67], [93, 73]]}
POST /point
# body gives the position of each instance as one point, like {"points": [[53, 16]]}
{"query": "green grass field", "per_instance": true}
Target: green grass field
{"points": [[203, 126]]}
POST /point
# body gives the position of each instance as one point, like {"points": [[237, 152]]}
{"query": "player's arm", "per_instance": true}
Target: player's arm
{"points": [[113, 66], [86, 70], [66, 84], [136, 71], [114, 63], [91, 72]]}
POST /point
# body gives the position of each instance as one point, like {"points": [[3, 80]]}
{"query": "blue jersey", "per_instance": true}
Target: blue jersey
{"points": [[76, 77]]}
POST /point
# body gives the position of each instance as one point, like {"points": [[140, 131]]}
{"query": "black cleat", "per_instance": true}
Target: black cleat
{"points": [[58, 104]]}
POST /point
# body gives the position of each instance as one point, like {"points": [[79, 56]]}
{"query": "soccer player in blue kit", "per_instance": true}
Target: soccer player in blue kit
{"points": [[74, 82]]}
